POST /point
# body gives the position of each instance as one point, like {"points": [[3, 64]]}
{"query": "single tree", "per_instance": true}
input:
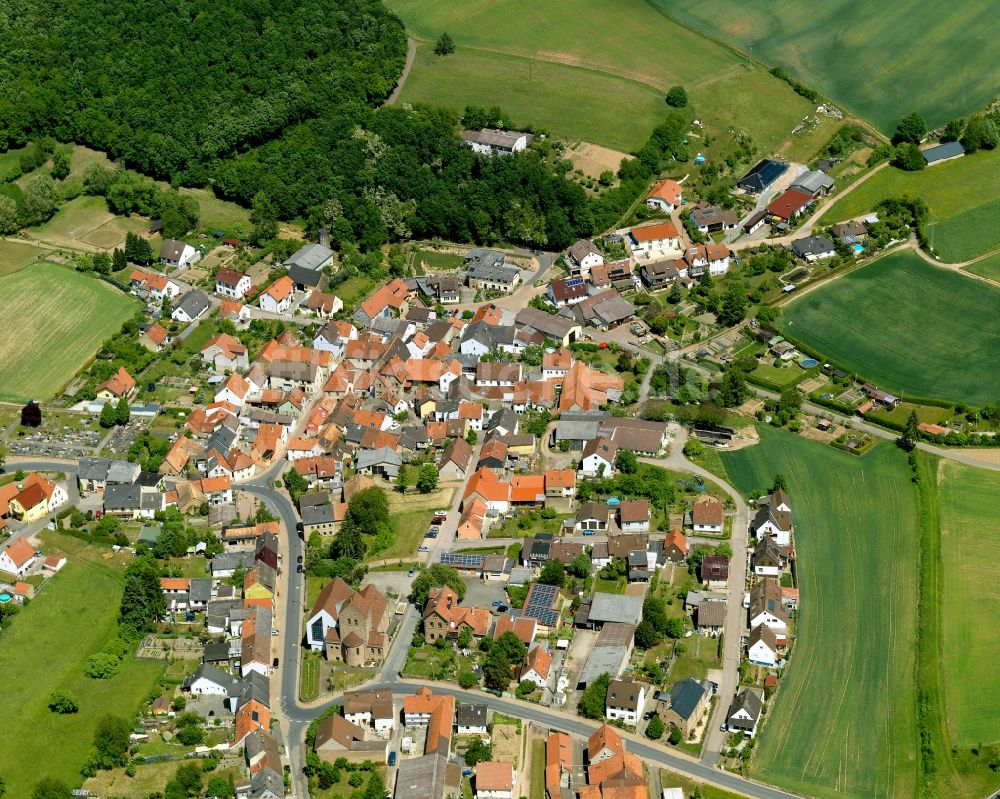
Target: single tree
{"points": [[779, 483], [591, 704], [512, 647], [118, 260], [478, 752], [427, 479], [108, 418], [496, 670], [677, 97], [733, 307], [60, 165], [111, 741], [646, 635], [911, 128], [953, 130], [122, 412], [435, 576], [581, 565], [734, 389], [907, 156], [445, 45], [655, 728], [401, 481], [676, 736], [626, 462], [9, 222], [466, 679], [911, 433], [553, 573]]}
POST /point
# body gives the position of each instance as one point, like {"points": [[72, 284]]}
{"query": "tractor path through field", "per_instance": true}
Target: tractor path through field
{"points": [[959, 267], [411, 53], [577, 62]]}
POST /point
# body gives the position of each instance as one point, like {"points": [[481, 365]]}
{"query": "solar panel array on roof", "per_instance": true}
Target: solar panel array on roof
{"points": [[461, 559], [538, 604], [574, 281]]}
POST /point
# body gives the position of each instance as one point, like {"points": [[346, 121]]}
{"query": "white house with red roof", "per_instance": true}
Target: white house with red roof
{"points": [[17, 557]]}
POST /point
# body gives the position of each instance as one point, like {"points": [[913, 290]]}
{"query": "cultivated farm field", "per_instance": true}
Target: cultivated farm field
{"points": [[45, 649], [988, 268], [970, 539], [535, 62], [842, 722], [960, 195], [52, 320], [907, 326], [881, 64]]}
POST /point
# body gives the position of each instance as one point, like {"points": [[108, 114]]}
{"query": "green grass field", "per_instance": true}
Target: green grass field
{"points": [[842, 723], [535, 62], [988, 268], [970, 538], [960, 195], [52, 320], [880, 64], [15, 255], [45, 649], [907, 326]]}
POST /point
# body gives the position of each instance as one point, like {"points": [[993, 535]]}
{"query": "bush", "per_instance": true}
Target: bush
{"points": [[102, 666], [656, 728], [693, 448], [63, 702], [190, 736], [466, 679], [677, 97]]}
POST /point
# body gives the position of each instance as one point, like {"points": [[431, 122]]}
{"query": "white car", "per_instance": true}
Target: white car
{"points": [[423, 548]]}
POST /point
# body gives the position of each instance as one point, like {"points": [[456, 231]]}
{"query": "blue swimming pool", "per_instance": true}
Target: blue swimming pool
{"points": [[858, 248], [808, 363], [5, 597]]}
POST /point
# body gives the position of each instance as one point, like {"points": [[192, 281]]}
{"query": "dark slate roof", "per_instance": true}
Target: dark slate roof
{"points": [[763, 175], [685, 696], [470, 715], [813, 245], [194, 303], [942, 151], [745, 700], [122, 497]]}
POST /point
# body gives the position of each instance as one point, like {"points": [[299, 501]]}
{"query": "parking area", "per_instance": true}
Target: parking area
{"points": [[394, 582], [480, 594]]}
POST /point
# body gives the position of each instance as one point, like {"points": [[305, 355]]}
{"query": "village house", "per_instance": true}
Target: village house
{"points": [[155, 338], [715, 571], [178, 253], [762, 646], [225, 353], [789, 205], [686, 705], [814, 248], [598, 458], [193, 305], [714, 257], [277, 298], [707, 515], [675, 547], [665, 196], [494, 780], [17, 557], [323, 304], [762, 175], [814, 183], [443, 617], [582, 257], [230, 283], [349, 626], [711, 219], [119, 385], [371, 709], [487, 269], [625, 701], [745, 712], [157, 286], [767, 607], [661, 238], [634, 516], [337, 738], [568, 291]]}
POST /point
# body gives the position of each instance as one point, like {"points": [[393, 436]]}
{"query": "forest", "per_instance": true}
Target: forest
{"points": [[275, 105]]}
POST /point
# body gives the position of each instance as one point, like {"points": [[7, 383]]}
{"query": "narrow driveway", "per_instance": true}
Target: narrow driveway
{"points": [[735, 614]]}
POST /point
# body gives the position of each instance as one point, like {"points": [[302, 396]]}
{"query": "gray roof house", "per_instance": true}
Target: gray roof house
{"points": [[123, 472], [122, 498], [384, 461], [488, 269], [615, 608], [744, 712], [305, 267], [191, 307], [943, 152], [813, 183], [686, 695], [814, 248]]}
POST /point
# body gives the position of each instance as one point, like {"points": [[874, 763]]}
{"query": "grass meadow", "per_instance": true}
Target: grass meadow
{"points": [[959, 194], [879, 65], [52, 320], [842, 723], [970, 539], [907, 326], [45, 649], [15, 255], [536, 62]]}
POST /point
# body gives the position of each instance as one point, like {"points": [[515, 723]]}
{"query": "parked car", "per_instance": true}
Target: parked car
{"points": [[298, 559], [392, 758], [411, 572], [435, 529], [588, 532], [502, 608], [300, 568], [423, 548], [497, 603], [275, 665]]}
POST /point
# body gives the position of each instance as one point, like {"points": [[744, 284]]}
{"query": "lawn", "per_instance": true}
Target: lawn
{"points": [[15, 255], [988, 267], [907, 326], [880, 64], [970, 539], [410, 527], [437, 260], [218, 214], [309, 676], [929, 414], [842, 723], [72, 618], [57, 317], [960, 195], [538, 769], [531, 59], [778, 375]]}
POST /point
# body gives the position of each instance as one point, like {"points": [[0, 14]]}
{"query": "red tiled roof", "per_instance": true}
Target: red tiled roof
{"points": [[664, 230]]}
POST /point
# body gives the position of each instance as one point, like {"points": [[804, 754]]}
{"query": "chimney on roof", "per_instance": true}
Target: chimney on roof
{"points": [[324, 237]]}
